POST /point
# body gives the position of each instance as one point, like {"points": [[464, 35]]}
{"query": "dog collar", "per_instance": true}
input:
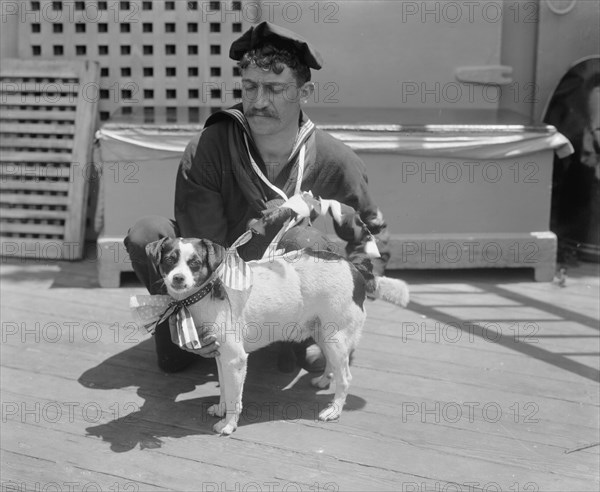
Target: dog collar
{"points": [[178, 311], [200, 294], [175, 306]]}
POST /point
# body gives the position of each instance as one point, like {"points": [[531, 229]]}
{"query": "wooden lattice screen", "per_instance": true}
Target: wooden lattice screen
{"points": [[46, 132], [159, 53]]}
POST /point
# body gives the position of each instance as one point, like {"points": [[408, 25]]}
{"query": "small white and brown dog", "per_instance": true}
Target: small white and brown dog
{"points": [[293, 297]]}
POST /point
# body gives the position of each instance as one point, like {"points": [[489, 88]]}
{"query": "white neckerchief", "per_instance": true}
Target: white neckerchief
{"points": [[265, 180]]}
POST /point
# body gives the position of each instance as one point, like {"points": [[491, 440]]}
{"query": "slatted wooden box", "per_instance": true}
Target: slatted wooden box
{"points": [[46, 133]]}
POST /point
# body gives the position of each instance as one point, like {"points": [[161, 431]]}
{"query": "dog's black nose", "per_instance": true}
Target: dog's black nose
{"points": [[178, 279]]}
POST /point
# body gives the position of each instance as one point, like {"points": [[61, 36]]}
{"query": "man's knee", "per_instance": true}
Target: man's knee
{"points": [[145, 231]]}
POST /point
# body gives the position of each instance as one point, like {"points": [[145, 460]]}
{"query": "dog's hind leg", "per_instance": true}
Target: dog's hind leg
{"points": [[337, 355], [324, 380]]}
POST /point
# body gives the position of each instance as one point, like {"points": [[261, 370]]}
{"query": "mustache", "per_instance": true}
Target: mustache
{"points": [[267, 114]]}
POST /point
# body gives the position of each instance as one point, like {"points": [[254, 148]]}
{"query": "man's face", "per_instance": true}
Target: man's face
{"points": [[271, 101]]}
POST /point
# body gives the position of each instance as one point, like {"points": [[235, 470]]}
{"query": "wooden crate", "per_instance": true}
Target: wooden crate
{"points": [[47, 126]]}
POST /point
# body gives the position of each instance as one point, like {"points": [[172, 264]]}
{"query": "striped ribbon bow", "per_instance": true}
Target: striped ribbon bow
{"points": [[234, 272], [152, 310]]}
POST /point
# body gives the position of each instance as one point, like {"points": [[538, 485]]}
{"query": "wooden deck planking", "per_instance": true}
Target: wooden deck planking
{"points": [[514, 417], [505, 401], [190, 427], [377, 445], [413, 362]]}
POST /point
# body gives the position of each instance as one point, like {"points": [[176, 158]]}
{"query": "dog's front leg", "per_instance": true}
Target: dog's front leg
{"points": [[218, 409], [232, 374]]}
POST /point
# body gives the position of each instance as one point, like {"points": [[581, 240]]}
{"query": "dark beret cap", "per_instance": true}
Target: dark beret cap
{"points": [[266, 32]]}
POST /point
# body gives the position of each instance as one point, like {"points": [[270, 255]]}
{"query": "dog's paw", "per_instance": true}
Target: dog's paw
{"points": [[224, 427], [332, 412], [322, 381], [216, 410]]}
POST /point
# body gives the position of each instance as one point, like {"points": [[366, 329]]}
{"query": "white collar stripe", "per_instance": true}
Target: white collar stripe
{"points": [[303, 135], [300, 169], [260, 173], [305, 130], [300, 143]]}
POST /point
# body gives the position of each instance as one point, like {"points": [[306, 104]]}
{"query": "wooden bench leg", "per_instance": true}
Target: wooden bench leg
{"points": [[544, 273], [113, 259], [109, 278]]}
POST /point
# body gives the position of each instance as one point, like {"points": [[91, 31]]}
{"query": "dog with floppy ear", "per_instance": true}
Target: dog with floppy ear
{"points": [[303, 294], [200, 255]]}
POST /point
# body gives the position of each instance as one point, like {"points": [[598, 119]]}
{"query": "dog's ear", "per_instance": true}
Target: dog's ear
{"points": [[154, 251], [215, 253]]}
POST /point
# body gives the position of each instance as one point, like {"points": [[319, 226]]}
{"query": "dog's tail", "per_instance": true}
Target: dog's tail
{"points": [[391, 290], [387, 289]]}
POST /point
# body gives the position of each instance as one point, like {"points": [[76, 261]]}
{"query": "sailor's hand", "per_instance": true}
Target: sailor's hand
{"points": [[209, 349]]}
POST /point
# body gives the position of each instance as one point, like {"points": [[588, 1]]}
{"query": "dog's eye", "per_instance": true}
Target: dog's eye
{"points": [[169, 260], [195, 263]]}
